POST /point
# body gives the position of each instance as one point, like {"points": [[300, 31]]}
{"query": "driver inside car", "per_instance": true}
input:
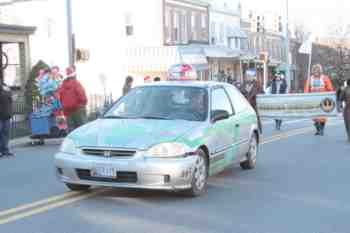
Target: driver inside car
{"points": [[198, 105]]}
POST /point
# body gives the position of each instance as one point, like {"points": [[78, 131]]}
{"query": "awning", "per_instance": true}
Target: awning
{"points": [[283, 67], [221, 52], [16, 29], [248, 56], [235, 32]]}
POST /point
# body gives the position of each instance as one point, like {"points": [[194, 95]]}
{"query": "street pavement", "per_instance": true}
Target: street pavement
{"points": [[300, 186]]}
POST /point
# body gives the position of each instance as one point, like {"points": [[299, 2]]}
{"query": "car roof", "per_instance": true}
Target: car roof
{"points": [[201, 84]]}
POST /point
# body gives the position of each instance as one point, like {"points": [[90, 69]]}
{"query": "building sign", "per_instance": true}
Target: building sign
{"points": [[297, 105], [194, 59]]}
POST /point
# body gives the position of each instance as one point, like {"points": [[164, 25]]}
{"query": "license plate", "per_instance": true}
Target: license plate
{"points": [[104, 172]]}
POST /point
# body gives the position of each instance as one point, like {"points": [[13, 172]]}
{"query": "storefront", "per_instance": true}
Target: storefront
{"points": [[251, 61], [224, 63]]}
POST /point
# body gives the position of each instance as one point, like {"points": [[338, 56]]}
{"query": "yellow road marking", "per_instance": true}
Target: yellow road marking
{"points": [[291, 133], [45, 205], [38, 203], [48, 207]]}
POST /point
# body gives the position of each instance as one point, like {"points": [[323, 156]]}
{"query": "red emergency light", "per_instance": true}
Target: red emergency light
{"points": [[182, 72]]}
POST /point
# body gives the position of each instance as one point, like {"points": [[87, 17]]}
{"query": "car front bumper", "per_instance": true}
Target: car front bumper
{"points": [[150, 173]]}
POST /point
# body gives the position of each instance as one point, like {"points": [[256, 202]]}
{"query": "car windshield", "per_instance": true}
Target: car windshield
{"points": [[163, 103]]}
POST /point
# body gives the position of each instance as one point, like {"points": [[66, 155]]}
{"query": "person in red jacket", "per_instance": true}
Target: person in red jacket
{"points": [[73, 98]]}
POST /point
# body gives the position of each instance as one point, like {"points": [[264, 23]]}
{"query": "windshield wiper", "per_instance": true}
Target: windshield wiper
{"points": [[117, 117], [155, 118]]}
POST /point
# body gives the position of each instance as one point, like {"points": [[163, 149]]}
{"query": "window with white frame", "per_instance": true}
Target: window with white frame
{"points": [[167, 25], [236, 42], [184, 27], [193, 26], [176, 27], [213, 33], [129, 28], [183, 24], [222, 32], [204, 27], [229, 42]]}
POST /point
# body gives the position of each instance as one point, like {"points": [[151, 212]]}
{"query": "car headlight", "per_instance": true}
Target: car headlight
{"points": [[168, 150], [68, 146]]}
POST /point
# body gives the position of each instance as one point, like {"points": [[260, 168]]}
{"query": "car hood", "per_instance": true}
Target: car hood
{"points": [[131, 133]]}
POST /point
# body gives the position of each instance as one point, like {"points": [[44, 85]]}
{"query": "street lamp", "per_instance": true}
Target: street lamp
{"points": [[287, 46], [70, 33]]}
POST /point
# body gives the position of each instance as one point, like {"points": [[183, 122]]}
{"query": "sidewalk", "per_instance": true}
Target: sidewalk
{"points": [[26, 141]]}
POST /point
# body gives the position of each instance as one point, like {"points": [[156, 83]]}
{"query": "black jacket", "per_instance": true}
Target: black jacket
{"points": [[251, 94], [5, 103], [283, 87]]}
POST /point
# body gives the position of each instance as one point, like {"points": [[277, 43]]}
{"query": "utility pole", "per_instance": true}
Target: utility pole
{"points": [[287, 47], [70, 32]]}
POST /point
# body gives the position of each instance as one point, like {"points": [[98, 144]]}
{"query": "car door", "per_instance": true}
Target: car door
{"points": [[224, 131], [243, 118]]}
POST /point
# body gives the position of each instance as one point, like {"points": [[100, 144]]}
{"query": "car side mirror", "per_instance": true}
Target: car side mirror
{"points": [[219, 115]]}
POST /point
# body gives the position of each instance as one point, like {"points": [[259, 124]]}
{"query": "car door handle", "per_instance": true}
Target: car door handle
{"points": [[238, 125]]}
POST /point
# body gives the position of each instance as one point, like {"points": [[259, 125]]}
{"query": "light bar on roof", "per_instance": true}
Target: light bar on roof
{"points": [[182, 72]]}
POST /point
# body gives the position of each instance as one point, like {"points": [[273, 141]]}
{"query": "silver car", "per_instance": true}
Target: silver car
{"points": [[164, 136]]}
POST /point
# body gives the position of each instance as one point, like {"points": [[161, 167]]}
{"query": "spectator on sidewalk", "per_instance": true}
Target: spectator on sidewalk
{"points": [[345, 97], [73, 98], [127, 85], [5, 116], [250, 90], [278, 86]]}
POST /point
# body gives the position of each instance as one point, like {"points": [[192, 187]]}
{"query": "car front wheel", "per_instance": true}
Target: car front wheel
{"points": [[200, 175], [251, 155], [78, 187]]}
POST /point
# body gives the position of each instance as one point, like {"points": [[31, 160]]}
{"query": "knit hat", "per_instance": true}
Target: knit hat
{"points": [[147, 79]]}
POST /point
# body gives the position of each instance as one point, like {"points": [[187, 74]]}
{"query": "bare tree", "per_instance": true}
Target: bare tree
{"points": [[301, 33], [335, 54]]}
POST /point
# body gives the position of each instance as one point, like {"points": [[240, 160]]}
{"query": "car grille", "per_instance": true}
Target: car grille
{"points": [[122, 177], [108, 152]]}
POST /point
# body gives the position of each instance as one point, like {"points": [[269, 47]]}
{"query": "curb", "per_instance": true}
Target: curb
{"points": [[24, 141]]}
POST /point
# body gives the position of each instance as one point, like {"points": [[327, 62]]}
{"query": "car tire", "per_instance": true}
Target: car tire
{"points": [[200, 176], [78, 187], [251, 155]]}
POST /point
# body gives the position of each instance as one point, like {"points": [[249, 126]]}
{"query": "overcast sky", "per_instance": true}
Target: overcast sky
{"points": [[317, 15]]}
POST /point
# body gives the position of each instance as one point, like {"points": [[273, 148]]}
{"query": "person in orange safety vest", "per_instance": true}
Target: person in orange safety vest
{"points": [[318, 82]]}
